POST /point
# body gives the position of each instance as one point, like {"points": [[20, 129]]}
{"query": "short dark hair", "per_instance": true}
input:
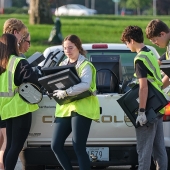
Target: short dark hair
{"points": [[155, 27], [132, 32], [76, 40]]}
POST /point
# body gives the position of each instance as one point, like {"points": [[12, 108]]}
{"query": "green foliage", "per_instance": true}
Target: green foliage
{"points": [[94, 29], [18, 3], [16, 10]]}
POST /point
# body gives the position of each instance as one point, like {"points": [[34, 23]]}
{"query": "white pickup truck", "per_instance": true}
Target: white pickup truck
{"points": [[112, 140]]}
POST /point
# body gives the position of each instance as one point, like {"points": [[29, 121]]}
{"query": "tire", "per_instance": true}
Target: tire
{"points": [[36, 167], [134, 167], [99, 167]]}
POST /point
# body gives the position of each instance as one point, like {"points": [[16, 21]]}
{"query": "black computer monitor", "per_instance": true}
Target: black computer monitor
{"points": [[58, 79], [165, 67], [109, 72], [129, 102], [62, 79], [56, 69]]}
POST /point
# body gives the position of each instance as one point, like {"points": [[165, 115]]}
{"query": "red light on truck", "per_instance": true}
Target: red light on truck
{"points": [[99, 46], [166, 116]]}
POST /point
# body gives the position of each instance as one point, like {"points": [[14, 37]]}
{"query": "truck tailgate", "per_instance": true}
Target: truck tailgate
{"points": [[113, 127]]}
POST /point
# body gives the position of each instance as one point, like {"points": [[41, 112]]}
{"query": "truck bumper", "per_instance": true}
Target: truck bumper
{"points": [[118, 155]]}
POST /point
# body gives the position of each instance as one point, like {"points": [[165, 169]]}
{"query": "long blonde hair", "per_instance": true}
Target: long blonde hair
{"points": [[13, 24]]}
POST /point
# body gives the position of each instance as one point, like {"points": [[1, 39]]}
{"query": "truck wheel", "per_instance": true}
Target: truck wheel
{"points": [[134, 167], [153, 167], [36, 167], [99, 167]]}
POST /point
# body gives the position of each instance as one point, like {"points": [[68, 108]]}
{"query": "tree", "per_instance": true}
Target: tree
{"points": [[163, 7], [40, 12], [136, 4]]}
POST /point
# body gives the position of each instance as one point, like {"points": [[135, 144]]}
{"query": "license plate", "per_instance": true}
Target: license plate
{"points": [[101, 153]]}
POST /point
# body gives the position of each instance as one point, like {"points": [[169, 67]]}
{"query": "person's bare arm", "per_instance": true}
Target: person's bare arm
{"points": [[165, 81], [159, 62], [143, 92]]}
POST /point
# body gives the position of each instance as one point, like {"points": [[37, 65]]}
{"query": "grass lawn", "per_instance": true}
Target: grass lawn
{"points": [[99, 28]]}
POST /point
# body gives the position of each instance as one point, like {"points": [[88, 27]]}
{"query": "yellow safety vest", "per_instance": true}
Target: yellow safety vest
{"points": [[11, 104], [88, 107], [151, 63], [168, 52]]}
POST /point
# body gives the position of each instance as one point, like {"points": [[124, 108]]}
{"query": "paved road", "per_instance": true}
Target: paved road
{"points": [[19, 167]]}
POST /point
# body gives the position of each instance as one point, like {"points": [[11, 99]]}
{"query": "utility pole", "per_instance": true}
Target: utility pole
{"points": [[87, 3], [1, 6], [116, 6], [92, 4], [154, 7]]}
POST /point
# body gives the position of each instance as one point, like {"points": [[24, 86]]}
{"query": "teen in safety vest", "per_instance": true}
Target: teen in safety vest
{"points": [[75, 117], [16, 27], [13, 72], [83, 106], [149, 60], [150, 138], [159, 34]]}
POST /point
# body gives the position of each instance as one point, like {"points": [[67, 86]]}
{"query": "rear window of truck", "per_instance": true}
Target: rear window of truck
{"points": [[126, 58]]}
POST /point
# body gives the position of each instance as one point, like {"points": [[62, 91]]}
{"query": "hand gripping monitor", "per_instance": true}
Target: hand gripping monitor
{"points": [[61, 78], [129, 102]]}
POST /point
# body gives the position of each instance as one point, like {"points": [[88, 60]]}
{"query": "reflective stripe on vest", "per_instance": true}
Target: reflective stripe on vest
{"points": [[151, 66], [10, 93], [168, 52], [93, 90], [149, 62]]}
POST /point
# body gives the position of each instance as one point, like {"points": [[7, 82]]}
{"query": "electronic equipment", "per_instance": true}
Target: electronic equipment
{"points": [[30, 93], [35, 59], [108, 72], [129, 102], [56, 69], [61, 78], [54, 58], [165, 67]]}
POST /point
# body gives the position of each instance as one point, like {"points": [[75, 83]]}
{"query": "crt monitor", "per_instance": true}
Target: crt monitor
{"points": [[108, 72]]}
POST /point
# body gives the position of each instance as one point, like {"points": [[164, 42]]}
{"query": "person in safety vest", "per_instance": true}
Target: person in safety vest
{"points": [[75, 117], [16, 27], [150, 138], [159, 34], [14, 71]]}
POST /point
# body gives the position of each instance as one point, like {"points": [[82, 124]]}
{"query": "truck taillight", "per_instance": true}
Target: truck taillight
{"points": [[99, 46], [166, 116]]}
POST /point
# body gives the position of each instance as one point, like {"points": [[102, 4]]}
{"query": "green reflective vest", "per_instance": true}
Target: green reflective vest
{"points": [[11, 104], [168, 52], [87, 107], [151, 63]]}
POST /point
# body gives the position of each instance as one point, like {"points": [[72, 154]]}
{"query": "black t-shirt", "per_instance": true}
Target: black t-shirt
{"points": [[25, 73], [140, 69]]}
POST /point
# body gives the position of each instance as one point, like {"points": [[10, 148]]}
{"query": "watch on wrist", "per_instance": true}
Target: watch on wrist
{"points": [[141, 110]]}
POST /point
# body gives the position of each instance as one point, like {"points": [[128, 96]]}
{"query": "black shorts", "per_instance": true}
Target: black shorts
{"points": [[2, 123]]}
